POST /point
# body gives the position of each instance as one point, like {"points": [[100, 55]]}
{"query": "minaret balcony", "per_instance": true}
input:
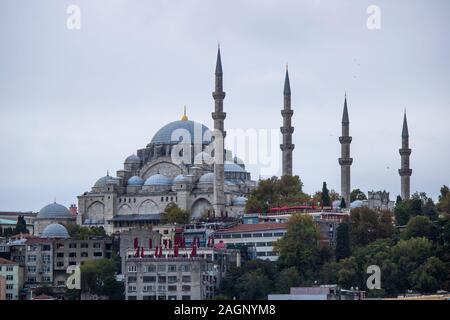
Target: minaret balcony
{"points": [[287, 113], [287, 130], [405, 172], [344, 140], [287, 146], [345, 161], [219, 115], [404, 152], [218, 95]]}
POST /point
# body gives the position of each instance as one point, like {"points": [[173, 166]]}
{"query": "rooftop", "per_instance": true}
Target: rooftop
{"points": [[4, 261], [254, 227]]}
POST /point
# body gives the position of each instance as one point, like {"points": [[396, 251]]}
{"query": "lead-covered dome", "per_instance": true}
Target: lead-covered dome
{"points": [[179, 129], [133, 159], [207, 178], [55, 230], [54, 211], [103, 181], [232, 167], [135, 181], [181, 178], [158, 180]]}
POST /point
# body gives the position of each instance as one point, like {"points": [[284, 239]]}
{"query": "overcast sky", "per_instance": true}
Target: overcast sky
{"points": [[76, 103]]}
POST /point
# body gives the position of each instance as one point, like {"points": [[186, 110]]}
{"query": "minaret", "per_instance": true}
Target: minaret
{"points": [[345, 161], [219, 116], [287, 130], [405, 172]]}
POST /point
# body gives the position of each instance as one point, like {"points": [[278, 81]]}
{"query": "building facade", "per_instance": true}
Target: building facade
{"points": [[11, 279]]}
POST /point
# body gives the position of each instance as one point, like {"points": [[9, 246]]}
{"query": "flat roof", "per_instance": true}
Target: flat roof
{"points": [[254, 227]]}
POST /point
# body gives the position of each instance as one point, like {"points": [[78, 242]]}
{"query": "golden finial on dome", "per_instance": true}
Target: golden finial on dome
{"points": [[184, 117]]}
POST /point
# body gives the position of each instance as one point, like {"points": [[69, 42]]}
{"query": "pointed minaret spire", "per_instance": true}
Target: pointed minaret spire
{"points": [[287, 86], [405, 152], [345, 112], [345, 161], [287, 129], [405, 133], [218, 62]]}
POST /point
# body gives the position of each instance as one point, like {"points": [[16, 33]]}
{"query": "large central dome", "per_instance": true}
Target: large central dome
{"points": [[169, 134]]}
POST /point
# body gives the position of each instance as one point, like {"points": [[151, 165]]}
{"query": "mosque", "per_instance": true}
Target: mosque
{"points": [[151, 180]]}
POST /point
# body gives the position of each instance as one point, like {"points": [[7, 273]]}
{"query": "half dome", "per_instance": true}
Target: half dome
{"points": [[158, 180], [135, 181]]}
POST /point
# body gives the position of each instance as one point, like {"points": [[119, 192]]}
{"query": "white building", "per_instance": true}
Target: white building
{"points": [[11, 275]]}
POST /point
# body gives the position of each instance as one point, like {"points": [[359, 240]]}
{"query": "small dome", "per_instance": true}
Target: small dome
{"points": [[103, 181], [158, 180], [135, 181], [202, 156], [54, 211], [239, 201], [232, 167], [133, 159], [356, 204], [181, 178], [207, 178], [55, 230]]}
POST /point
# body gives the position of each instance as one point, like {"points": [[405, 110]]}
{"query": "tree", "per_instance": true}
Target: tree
{"points": [[334, 196], [298, 247], [21, 226], [82, 232], [98, 277], [287, 279], [343, 204], [367, 225], [349, 274], [253, 286], [429, 277], [418, 226], [342, 241], [444, 200], [357, 194], [174, 214], [326, 201], [283, 191]]}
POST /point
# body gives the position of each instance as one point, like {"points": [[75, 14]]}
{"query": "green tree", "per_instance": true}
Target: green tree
{"points": [[342, 241], [98, 277], [82, 232], [21, 226], [326, 200], [444, 200], [367, 225], [174, 214], [349, 274], [419, 226], [299, 246], [430, 276], [287, 278], [357, 194], [253, 286]]}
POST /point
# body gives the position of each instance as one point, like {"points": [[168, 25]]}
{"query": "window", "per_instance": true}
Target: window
{"points": [[131, 279], [162, 279], [9, 268], [161, 268], [149, 297], [46, 258], [72, 263], [257, 235], [172, 279], [60, 255], [9, 287], [46, 269], [236, 235], [84, 254], [46, 279], [72, 255], [151, 268], [172, 288], [171, 297], [148, 288], [226, 236], [98, 254], [172, 268], [59, 245], [261, 254], [278, 234], [132, 298], [131, 288], [132, 268], [261, 244], [84, 245], [149, 279], [186, 279], [31, 269], [60, 264], [46, 247], [185, 297], [269, 234], [184, 268], [161, 288], [72, 245], [31, 258], [96, 245], [185, 288], [162, 199], [9, 296], [31, 280]]}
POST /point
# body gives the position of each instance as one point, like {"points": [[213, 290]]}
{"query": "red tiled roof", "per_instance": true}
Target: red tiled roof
{"points": [[6, 261], [254, 227]]}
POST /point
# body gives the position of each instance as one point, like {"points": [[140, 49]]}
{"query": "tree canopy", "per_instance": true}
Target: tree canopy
{"points": [[174, 214]]}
